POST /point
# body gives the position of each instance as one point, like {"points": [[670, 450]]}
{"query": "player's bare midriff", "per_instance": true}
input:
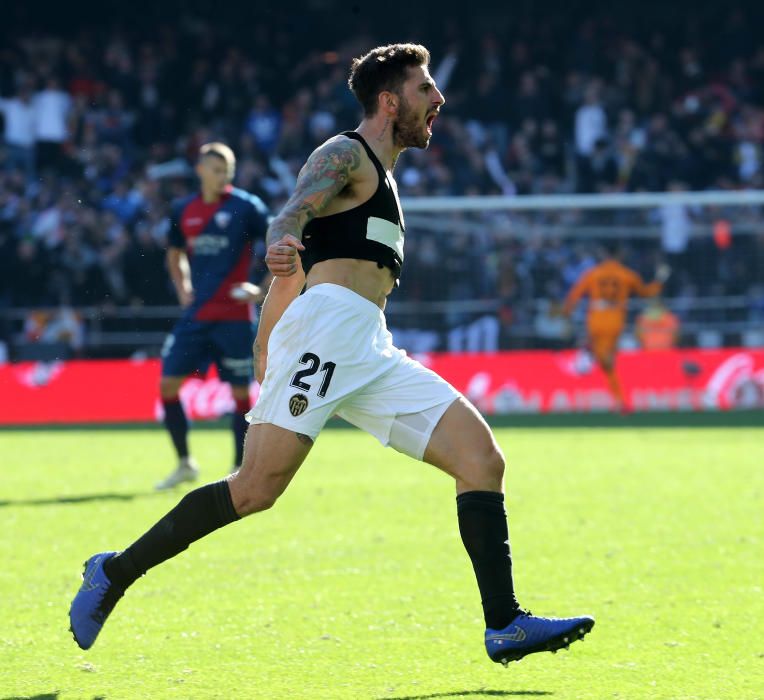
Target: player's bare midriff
{"points": [[364, 277]]}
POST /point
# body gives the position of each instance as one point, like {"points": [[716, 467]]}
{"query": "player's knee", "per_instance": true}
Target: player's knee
{"points": [[169, 387], [495, 465], [250, 502], [486, 470], [240, 393]]}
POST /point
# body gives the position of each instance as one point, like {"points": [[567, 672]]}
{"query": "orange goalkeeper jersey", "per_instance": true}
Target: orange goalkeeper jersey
{"points": [[608, 286]]}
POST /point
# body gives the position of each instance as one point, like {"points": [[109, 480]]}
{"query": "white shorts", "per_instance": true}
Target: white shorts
{"points": [[331, 353]]}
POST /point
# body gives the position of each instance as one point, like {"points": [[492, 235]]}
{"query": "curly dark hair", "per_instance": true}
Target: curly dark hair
{"points": [[383, 68]]}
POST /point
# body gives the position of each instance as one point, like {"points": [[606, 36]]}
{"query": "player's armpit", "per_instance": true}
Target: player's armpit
{"points": [[326, 173]]}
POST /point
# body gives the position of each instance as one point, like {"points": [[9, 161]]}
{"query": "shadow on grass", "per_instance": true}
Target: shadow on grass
{"points": [[483, 693], [73, 500]]}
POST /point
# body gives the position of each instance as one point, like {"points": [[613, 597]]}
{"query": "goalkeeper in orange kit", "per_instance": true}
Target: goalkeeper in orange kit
{"points": [[609, 286]]}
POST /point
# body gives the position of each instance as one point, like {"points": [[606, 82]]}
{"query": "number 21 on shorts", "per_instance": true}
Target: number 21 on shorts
{"points": [[314, 362]]}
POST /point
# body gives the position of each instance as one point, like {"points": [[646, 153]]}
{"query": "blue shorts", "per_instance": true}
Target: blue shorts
{"points": [[194, 345]]}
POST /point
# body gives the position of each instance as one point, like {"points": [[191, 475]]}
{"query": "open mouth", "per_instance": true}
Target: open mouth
{"points": [[430, 120]]}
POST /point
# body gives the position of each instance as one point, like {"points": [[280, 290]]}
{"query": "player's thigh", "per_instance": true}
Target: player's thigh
{"points": [[231, 347], [604, 347], [272, 456], [463, 446]]}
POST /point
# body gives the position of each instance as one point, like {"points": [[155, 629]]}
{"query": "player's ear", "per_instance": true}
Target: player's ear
{"points": [[198, 168], [388, 103]]}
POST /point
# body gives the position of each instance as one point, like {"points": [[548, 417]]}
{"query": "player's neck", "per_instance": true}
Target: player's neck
{"points": [[377, 131], [210, 197]]}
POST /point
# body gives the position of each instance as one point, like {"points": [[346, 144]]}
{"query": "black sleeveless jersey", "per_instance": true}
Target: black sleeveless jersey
{"points": [[371, 231]]}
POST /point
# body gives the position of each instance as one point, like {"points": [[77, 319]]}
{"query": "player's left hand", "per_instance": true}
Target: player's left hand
{"points": [[282, 258], [246, 293], [662, 273]]}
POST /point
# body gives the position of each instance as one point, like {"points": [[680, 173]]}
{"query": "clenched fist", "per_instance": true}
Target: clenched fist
{"points": [[282, 258]]}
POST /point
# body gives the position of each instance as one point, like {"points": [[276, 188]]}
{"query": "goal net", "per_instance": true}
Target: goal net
{"points": [[490, 273]]}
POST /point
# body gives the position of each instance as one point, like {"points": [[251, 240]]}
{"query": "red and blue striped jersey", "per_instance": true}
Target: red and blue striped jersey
{"points": [[218, 239]]}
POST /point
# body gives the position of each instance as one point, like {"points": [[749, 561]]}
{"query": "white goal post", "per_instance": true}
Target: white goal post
{"points": [[625, 200]]}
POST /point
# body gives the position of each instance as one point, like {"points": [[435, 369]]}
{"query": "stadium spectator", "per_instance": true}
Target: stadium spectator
{"points": [[591, 121], [19, 114], [121, 114], [52, 106], [656, 327]]}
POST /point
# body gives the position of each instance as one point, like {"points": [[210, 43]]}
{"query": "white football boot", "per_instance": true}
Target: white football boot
{"points": [[187, 470]]}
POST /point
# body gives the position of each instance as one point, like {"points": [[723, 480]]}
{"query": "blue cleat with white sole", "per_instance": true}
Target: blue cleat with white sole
{"points": [[93, 602], [528, 634]]}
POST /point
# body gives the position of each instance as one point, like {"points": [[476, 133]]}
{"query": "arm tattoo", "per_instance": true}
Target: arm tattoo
{"points": [[324, 175]]}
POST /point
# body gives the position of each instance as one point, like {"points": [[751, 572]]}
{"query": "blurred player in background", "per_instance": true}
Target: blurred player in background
{"points": [[609, 286], [209, 258]]}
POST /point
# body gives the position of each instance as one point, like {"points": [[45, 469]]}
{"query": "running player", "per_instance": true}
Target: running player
{"points": [[609, 286], [330, 352], [208, 258]]}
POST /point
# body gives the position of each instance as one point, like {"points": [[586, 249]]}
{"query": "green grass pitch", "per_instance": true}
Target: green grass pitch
{"points": [[356, 584]]}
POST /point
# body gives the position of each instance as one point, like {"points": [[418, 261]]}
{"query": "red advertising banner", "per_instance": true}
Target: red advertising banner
{"points": [[569, 381], [107, 391]]}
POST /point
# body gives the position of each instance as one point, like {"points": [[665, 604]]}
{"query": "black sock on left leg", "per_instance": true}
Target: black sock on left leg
{"points": [[485, 534], [239, 427], [198, 513]]}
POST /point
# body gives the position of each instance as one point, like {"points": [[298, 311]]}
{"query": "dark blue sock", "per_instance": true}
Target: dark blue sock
{"points": [[177, 425], [239, 426]]}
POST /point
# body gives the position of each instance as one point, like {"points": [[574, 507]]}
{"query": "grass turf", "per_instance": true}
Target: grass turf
{"points": [[356, 584]]}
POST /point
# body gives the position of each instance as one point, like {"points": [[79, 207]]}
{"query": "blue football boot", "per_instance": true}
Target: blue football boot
{"points": [[527, 634], [93, 602]]}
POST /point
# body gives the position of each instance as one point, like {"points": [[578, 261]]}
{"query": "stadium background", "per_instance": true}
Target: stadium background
{"points": [[356, 585], [564, 98]]}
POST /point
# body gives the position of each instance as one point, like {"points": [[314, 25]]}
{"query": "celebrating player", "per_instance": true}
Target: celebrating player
{"points": [[208, 258], [609, 286], [330, 352]]}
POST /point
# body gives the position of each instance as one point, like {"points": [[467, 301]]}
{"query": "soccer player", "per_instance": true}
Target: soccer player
{"points": [[208, 258], [330, 352], [609, 286]]}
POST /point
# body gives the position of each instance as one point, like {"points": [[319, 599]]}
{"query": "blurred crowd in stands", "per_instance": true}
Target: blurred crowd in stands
{"points": [[101, 124]]}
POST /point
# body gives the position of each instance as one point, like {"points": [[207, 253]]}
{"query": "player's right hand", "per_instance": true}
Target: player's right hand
{"points": [[281, 258]]}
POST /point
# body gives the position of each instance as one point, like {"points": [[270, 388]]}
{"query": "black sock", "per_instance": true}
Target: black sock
{"points": [[239, 426], [484, 531], [177, 425], [199, 513]]}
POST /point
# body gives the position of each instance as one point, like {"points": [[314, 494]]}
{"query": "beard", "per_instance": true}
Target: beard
{"points": [[409, 130]]}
